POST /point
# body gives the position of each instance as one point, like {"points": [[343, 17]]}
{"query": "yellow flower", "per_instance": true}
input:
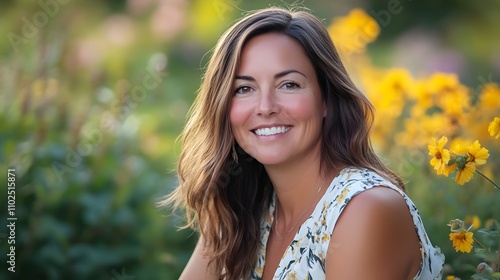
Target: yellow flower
{"points": [[424, 97], [494, 128], [449, 169], [465, 173], [450, 95], [456, 101], [462, 241], [398, 79], [388, 96], [353, 32], [459, 145], [477, 155], [441, 155], [465, 161], [490, 96], [443, 82]]}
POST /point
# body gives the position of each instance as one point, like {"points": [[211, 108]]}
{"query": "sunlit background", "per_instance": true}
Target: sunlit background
{"points": [[93, 95]]}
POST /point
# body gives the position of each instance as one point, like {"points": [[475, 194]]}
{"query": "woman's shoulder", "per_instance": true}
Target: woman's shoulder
{"points": [[368, 194], [351, 181], [377, 230], [379, 207]]}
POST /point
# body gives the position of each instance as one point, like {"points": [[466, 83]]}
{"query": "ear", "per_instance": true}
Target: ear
{"points": [[324, 109]]}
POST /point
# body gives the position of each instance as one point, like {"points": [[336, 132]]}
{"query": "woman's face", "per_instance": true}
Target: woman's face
{"points": [[277, 110]]}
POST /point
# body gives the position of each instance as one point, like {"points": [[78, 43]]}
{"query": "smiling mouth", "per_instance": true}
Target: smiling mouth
{"points": [[271, 130]]}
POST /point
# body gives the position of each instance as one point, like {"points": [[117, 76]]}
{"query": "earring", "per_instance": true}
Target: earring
{"points": [[234, 154]]}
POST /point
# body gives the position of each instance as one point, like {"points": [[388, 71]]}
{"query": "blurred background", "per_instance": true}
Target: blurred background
{"points": [[94, 94]]}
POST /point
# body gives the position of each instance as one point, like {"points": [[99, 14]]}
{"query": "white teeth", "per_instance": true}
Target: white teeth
{"points": [[271, 130]]}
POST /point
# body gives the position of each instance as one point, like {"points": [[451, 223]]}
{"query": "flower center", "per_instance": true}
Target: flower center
{"points": [[472, 158], [438, 155]]}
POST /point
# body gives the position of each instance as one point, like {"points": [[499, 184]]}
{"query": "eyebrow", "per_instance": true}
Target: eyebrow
{"points": [[278, 75]]}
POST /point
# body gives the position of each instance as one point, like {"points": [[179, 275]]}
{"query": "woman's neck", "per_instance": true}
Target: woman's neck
{"points": [[296, 185]]}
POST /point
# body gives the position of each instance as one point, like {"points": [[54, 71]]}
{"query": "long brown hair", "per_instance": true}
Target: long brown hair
{"points": [[224, 190]]}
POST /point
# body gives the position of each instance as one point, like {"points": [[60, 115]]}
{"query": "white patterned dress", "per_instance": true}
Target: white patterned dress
{"points": [[305, 256]]}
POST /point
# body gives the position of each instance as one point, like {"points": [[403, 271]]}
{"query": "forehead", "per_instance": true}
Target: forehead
{"points": [[273, 51]]}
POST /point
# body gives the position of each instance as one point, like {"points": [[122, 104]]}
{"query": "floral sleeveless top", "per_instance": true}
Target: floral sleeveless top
{"points": [[305, 257]]}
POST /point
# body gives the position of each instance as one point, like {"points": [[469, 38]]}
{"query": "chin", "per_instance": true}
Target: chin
{"points": [[269, 159]]}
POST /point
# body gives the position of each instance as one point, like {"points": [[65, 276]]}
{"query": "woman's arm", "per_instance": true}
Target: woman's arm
{"points": [[197, 268], [374, 238]]}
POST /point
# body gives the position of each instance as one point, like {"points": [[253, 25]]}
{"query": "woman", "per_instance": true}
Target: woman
{"points": [[277, 171]]}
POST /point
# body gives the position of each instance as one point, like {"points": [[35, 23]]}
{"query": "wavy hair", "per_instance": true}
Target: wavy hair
{"points": [[224, 190]]}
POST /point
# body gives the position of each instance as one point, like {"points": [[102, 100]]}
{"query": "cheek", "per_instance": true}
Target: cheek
{"points": [[233, 115], [237, 116], [305, 109]]}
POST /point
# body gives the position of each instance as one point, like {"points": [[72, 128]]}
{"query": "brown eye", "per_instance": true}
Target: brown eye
{"points": [[291, 86], [243, 90]]}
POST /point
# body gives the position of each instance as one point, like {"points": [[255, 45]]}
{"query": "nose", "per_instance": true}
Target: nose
{"points": [[267, 104]]}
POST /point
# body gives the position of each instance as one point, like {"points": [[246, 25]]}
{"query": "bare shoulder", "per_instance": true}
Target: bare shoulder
{"points": [[379, 211], [375, 232], [383, 199]]}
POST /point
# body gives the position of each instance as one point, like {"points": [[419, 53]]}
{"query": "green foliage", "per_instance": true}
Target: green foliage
{"points": [[85, 203], [92, 147]]}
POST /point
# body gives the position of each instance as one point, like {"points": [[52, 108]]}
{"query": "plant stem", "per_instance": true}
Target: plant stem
{"points": [[489, 180], [484, 247]]}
